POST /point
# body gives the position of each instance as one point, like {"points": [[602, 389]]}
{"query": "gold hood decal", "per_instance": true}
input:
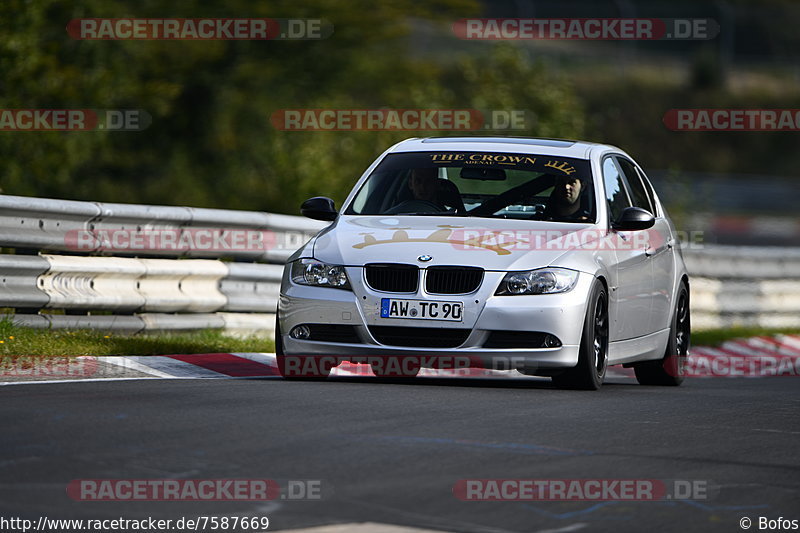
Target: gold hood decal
{"points": [[443, 236]]}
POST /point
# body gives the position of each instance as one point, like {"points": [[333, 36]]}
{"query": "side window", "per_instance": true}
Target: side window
{"points": [[650, 191], [640, 196], [616, 194]]}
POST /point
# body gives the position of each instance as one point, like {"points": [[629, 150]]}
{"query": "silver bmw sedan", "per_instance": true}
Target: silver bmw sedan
{"points": [[551, 257]]}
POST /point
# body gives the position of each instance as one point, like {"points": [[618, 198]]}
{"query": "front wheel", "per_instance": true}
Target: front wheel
{"points": [[670, 370], [593, 355]]}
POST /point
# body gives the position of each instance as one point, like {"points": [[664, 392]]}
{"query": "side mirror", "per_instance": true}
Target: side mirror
{"points": [[319, 208], [633, 219]]}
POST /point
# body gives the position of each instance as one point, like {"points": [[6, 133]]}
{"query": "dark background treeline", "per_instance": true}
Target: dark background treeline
{"points": [[211, 142]]}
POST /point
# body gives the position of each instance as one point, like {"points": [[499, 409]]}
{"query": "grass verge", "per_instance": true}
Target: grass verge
{"points": [[715, 337], [16, 340]]}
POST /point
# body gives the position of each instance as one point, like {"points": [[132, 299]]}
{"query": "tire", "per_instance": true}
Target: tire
{"points": [[278, 338], [320, 370], [588, 374], [670, 371]]}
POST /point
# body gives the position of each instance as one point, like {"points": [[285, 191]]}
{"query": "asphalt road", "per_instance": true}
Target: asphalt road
{"points": [[392, 451]]}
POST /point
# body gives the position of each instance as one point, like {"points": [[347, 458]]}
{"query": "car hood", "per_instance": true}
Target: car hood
{"points": [[494, 244]]}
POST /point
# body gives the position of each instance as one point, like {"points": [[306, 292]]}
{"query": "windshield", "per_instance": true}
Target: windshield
{"points": [[479, 184]]}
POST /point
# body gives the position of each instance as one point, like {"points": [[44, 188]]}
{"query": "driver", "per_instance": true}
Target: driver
{"points": [[424, 186], [565, 200]]}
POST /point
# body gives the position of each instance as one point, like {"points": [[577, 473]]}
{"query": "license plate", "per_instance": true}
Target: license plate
{"points": [[422, 309]]}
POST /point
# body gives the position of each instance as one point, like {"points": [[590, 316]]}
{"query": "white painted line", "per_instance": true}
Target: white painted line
{"points": [[707, 352], [264, 358], [566, 529], [790, 340], [743, 348], [4, 383], [127, 362], [774, 345], [364, 527], [778, 431], [175, 368]]}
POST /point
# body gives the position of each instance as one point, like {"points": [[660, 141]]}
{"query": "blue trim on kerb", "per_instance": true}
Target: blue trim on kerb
{"points": [[556, 143]]}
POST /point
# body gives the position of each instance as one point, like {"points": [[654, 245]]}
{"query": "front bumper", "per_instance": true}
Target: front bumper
{"points": [[561, 315]]}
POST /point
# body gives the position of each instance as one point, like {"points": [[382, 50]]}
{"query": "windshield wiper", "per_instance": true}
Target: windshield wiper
{"points": [[428, 214]]}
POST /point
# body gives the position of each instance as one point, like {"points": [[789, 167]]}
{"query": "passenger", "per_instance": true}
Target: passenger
{"points": [[565, 200]]}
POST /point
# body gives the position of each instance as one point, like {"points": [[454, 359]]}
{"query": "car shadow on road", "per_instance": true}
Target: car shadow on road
{"points": [[473, 382]]}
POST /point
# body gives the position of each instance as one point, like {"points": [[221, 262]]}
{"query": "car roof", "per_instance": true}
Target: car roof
{"points": [[542, 146]]}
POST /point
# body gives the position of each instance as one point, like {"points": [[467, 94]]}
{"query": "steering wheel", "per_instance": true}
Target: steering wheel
{"points": [[417, 206]]}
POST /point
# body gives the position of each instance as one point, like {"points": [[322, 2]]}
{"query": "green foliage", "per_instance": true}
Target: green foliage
{"points": [[211, 142], [630, 115]]}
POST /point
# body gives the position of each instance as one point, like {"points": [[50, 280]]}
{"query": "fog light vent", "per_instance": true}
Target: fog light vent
{"points": [[300, 332], [551, 341]]}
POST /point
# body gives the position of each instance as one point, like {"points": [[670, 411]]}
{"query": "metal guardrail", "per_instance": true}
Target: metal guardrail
{"points": [[252, 287], [78, 270], [77, 227], [42, 223], [237, 323], [743, 262], [195, 288], [744, 286], [18, 281]]}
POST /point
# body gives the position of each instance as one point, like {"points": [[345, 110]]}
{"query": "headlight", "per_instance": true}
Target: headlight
{"points": [[318, 274], [540, 281]]}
